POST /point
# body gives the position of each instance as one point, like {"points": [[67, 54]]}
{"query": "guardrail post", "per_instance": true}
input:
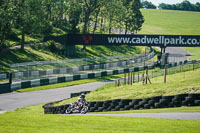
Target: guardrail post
{"points": [[10, 78]]}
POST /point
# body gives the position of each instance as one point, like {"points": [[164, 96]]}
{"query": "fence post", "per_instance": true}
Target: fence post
{"points": [[133, 77], [128, 78], [165, 75], [125, 78], [193, 66]]}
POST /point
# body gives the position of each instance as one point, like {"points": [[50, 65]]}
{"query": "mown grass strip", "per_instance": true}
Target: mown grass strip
{"points": [[180, 83], [164, 110], [31, 119]]}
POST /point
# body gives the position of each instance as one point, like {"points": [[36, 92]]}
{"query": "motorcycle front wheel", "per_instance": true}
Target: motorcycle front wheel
{"points": [[84, 110]]}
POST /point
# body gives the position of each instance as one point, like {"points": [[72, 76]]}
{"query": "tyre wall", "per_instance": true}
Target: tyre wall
{"points": [[133, 104]]}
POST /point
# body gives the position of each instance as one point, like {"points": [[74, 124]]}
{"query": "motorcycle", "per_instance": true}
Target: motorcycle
{"points": [[77, 108]]}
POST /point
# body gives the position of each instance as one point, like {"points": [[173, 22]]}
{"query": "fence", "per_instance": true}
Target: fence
{"points": [[173, 68], [44, 69]]}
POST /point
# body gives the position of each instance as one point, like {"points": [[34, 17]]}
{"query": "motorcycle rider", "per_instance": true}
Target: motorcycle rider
{"points": [[78, 106], [81, 99]]}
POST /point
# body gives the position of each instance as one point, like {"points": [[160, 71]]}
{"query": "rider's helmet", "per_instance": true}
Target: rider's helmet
{"points": [[82, 95]]}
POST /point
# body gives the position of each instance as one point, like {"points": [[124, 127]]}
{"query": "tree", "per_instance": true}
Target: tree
{"points": [[113, 11], [6, 21], [185, 5], [29, 17], [89, 6], [74, 13], [197, 6], [148, 5], [167, 6], [127, 14], [136, 18]]}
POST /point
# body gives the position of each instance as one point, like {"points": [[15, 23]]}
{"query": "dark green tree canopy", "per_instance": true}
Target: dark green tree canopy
{"points": [[184, 6], [148, 5], [44, 17]]}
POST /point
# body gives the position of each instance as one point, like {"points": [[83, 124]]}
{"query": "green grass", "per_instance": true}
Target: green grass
{"points": [[186, 82], [195, 51], [30, 54], [164, 110], [170, 22], [97, 51], [31, 119]]}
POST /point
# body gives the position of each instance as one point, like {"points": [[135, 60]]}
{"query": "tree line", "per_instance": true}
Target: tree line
{"points": [[184, 6], [41, 17]]}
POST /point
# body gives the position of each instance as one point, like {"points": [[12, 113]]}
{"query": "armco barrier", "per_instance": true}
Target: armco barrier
{"points": [[5, 88], [133, 104], [54, 80]]}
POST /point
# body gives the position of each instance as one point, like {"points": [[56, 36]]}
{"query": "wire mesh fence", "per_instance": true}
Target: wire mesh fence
{"points": [[43, 69], [135, 77]]}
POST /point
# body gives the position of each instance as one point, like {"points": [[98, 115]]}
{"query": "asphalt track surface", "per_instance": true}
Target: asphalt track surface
{"points": [[181, 116], [177, 50], [11, 101]]}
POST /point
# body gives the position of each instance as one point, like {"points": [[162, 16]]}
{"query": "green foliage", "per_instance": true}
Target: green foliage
{"points": [[5, 22], [46, 17], [137, 18], [57, 32], [147, 5], [53, 46], [184, 6]]}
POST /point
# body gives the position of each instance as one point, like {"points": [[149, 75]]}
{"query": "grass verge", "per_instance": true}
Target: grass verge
{"points": [[31, 119], [164, 110], [194, 51], [186, 82]]}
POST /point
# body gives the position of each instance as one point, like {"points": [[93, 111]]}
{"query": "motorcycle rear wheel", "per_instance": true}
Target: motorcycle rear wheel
{"points": [[68, 111]]}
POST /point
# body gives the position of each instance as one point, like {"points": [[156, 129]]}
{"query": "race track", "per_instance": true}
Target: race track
{"points": [[11, 101], [181, 116]]}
